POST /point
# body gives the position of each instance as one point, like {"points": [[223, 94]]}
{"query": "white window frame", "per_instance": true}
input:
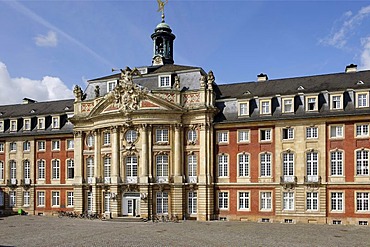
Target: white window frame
{"points": [[362, 162], [243, 109], [2, 170], [362, 130], [265, 200], [131, 136], [312, 201], [285, 105], [243, 136], [40, 198], [337, 202], [222, 137], [162, 165], [265, 106], [90, 140], [70, 169], [13, 125], [311, 100], [26, 198], [90, 168], [2, 199], [192, 165], [243, 164], [107, 198], [265, 161], [26, 169], [2, 144], [161, 135], [312, 132], [12, 146], [223, 165], [288, 164], [41, 169], [162, 203], [111, 85], [336, 131], [192, 135], [13, 169], [244, 201], [288, 200], [55, 198], [312, 163], [12, 198], [55, 169], [55, 145], [363, 201], [362, 99], [164, 81], [26, 146], [107, 161], [41, 145], [27, 124], [287, 134], [223, 200], [131, 167], [41, 123], [265, 135], [1, 126], [336, 163], [336, 101], [55, 122], [70, 144], [192, 202], [106, 138], [70, 199]]}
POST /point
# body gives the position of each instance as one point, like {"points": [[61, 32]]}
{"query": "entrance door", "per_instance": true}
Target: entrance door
{"points": [[131, 207], [131, 204]]}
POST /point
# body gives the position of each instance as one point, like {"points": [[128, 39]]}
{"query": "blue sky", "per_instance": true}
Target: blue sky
{"points": [[49, 46]]}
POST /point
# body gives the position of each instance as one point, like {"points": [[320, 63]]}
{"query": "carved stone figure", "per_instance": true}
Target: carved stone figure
{"points": [[203, 81], [77, 91], [211, 79], [97, 91], [177, 82]]}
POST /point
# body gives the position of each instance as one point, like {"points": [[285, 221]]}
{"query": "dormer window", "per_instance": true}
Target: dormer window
{"points": [[13, 125], [288, 105], [311, 103], [164, 81], [41, 123], [243, 109], [265, 107], [110, 86], [362, 99], [1, 126], [336, 101], [55, 122], [27, 124]]}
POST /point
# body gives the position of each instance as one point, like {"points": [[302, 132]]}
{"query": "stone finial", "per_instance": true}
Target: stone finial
{"points": [[97, 91], [176, 85], [77, 91]]}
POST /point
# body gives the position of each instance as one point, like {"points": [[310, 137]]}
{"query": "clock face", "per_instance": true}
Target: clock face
{"points": [[158, 60]]}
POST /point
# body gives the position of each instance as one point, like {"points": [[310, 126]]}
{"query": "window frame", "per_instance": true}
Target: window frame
{"points": [[70, 199], [223, 165], [308, 103], [364, 130], [243, 135], [243, 109], [13, 125], [70, 169], [312, 202], [70, 144], [244, 201], [162, 135], [265, 106], [55, 169], [41, 123], [223, 200], [2, 147], [164, 81], [334, 103], [55, 122], [106, 138], [366, 100], [243, 165], [336, 136], [312, 132], [130, 136], [41, 198], [265, 201], [55, 198], [284, 101], [192, 135], [288, 201], [266, 164], [287, 134], [55, 145], [339, 207], [41, 169], [41, 145], [364, 206], [111, 85], [266, 134], [26, 124], [362, 170], [223, 137], [192, 202]]}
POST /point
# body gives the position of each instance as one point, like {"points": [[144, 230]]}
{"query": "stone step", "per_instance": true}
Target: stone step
{"points": [[126, 219]]}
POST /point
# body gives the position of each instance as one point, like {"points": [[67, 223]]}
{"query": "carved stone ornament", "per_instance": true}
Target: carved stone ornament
{"points": [[127, 94], [177, 82], [77, 91], [210, 79]]}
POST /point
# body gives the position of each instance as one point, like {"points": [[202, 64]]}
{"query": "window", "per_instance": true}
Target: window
{"points": [[70, 169], [1, 146], [131, 136], [1, 126], [26, 169], [13, 198], [55, 199], [107, 169], [26, 124], [40, 198], [288, 200], [265, 201], [106, 138], [223, 137], [312, 200], [336, 163], [89, 168], [164, 81], [265, 134], [161, 135], [26, 198], [26, 146], [192, 165], [162, 165], [41, 123], [243, 160], [223, 200], [162, 202], [243, 109], [362, 130], [362, 100], [107, 196], [13, 169], [131, 166], [55, 122], [192, 202], [41, 167], [311, 103], [362, 162], [41, 145], [312, 164], [288, 105], [1, 198], [89, 201], [288, 164], [265, 107], [55, 169], [1, 170], [13, 146], [223, 165], [336, 131], [110, 86], [192, 136], [70, 199], [55, 145], [311, 133], [265, 164], [13, 125], [90, 140], [243, 200], [337, 201], [362, 201], [336, 102], [288, 134], [243, 135], [70, 144]]}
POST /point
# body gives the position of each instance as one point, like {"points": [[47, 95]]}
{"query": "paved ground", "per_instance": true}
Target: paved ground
{"points": [[52, 231]]}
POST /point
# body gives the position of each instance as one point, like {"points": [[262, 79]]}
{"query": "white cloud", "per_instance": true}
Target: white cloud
{"points": [[13, 90], [50, 39], [365, 55], [340, 35]]}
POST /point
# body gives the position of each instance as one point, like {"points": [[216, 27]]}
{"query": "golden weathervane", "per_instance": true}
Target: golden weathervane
{"points": [[161, 5]]}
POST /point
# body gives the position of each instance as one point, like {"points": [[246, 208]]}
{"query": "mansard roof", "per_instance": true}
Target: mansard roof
{"points": [[290, 86], [36, 109]]}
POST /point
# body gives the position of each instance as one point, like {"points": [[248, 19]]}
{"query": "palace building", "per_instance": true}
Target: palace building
{"points": [[165, 139]]}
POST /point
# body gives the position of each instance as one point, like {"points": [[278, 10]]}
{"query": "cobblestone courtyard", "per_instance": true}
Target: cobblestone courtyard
{"points": [[52, 231]]}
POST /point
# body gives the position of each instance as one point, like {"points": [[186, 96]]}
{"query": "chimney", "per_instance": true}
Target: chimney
{"points": [[351, 68], [262, 77], [28, 101]]}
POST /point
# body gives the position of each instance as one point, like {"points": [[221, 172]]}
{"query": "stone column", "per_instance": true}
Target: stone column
{"points": [[115, 155], [144, 155]]}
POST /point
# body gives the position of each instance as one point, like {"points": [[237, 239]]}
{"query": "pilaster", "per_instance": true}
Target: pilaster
{"points": [[115, 155], [144, 162]]}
